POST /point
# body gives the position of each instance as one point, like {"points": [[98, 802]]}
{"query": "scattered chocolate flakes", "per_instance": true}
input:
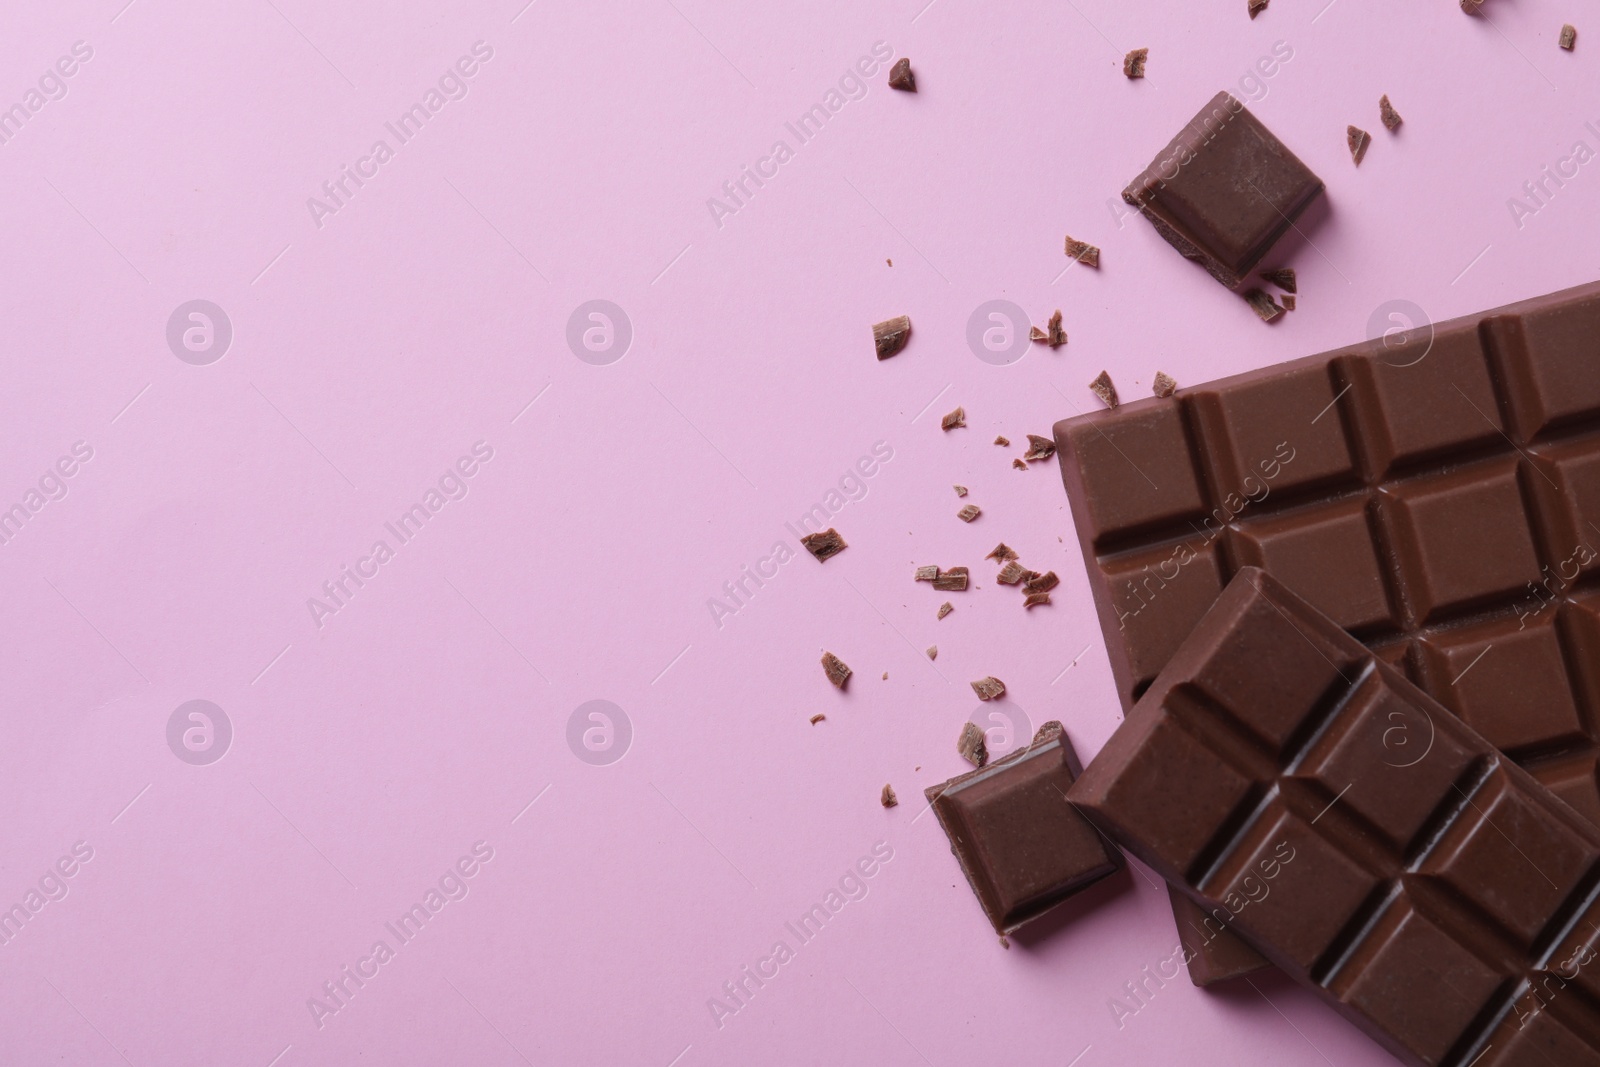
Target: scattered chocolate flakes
{"points": [[1035, 334], [928, 573], [818, 717], [890, 335], [957, 418], [1391, 118], [1002, 552], [989, 688], [1019, 465], [1033, 600], [961, 490], [1164, 385], [1256, 7], [1043, 583], [1569, 36], [887, 797], [1263, 305], [900, 76], [1284, 277], [1012, 573], [824, 545], [933, 651], [1083, 252], [1357, 139], [1039, 448], [1003, 442], [1103, 389], [953, 580], [970, 745], [836, 670], [968, 513], [1056, 336], [945, 609], [1133, 62], [1288, 302]]}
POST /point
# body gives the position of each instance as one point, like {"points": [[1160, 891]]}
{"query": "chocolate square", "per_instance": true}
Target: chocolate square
{"points": [[1327, 556]]}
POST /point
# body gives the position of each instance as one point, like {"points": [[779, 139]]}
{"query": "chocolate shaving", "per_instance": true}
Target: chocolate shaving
{"points": [[927, 574], [1164, 385], [1012, 573], [1043, 583], [1283, 277], [1256, 7], [1002, 552], [1019, 465], [1288, 302], [836, 670], [890, 335], [824, 545], [945, 609], [1033, 600], [953, 580], [1036, 334], [900, 76], [968, 513], [1083, 252], [933, 651], [1039, 448], [818, 717], [1003, 442], [1357, 139], [970, 745], [1133, 62], [1569, 36], [1102, 388], [1391, 118], [1056, 336], [1263, 305], [887, 797], [989, 688], [961, 490], [957, 418]]}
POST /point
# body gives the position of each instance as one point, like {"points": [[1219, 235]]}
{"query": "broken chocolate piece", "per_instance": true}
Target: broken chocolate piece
{"points": [[1164, 386], [1035, 334], [989, 688], [961, 490], [1133, 62], [953, 580], [1288, 302], [1391, 118], [818, 717], [890, 335], [1357, 139], [1056, 335], [1039, 448], [1033, 600], [901, 77], [1263, 305], [945, 609], [1083, 252], [1043, 583], [970, 745], [968, 513], [1569, 36], [933, 651], [824, 545], [1001, 553], [926, 574], [887, 797], [1256, 7], [1103, 389], [1283, 278], [1019, 465], [836, 670], [954, 420], [1003, 442], [1012, 573]]}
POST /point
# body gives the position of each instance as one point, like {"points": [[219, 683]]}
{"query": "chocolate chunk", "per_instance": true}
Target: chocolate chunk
{"points": [[901, 77], [1288, 302], [887, 797], [956, 418], [933, 651], [1569, 36], [818, 717], [968, 513], [1262, 305], [961, 490], [1133, 62], [926, 574], [1033, 600], [1391, 118], [1012, 573], [890, 335], [1003, 442], [1002, 552], [824, 545], [1056, 335], [1022, 847], [1083, 252], [1035, 334], [1357, 139], [1043, 583], [989, 688], [970, 745], [1283, 278], [953, 580], [1256, 7], [1039, 448], [1103, 389], [1224, 190], [1164, 386], [835, 669], [945, 608], [1396, 845]]}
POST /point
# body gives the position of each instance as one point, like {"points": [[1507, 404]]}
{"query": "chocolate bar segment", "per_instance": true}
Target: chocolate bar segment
{"points": [[1022, 846], [1308, 797], [1224, 190]]}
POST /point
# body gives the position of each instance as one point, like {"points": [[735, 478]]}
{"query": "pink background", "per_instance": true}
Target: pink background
{"points": [[372, 352]]}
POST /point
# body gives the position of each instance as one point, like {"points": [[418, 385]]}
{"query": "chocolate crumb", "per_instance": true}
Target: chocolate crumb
{"points": [[1019, 465], [1471, 6], [1164, 385], [900, 76], [968, 513], [927, 574], [1005, 942], [1057, 336], [1133, 62], [1002, 552], [836, 670], [1003, 442], [1288, 302], [886, 676], [1035, 334], [933, 651], [818, 717], [1083, 252], [1033, 600], [956, 418], [890, 262], [1012, 573], [887, 797], [961, 490], [1043, 583], [1263, 305], [945, 609], [989, 688], [1283, 278], [1256, 7], [1357, 139], [824, 545], [1103, 389], [953, 580], [1028, 576], [970, 745], [1569, 36], [1039, 448], [1391, 118], [890, 335]]}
